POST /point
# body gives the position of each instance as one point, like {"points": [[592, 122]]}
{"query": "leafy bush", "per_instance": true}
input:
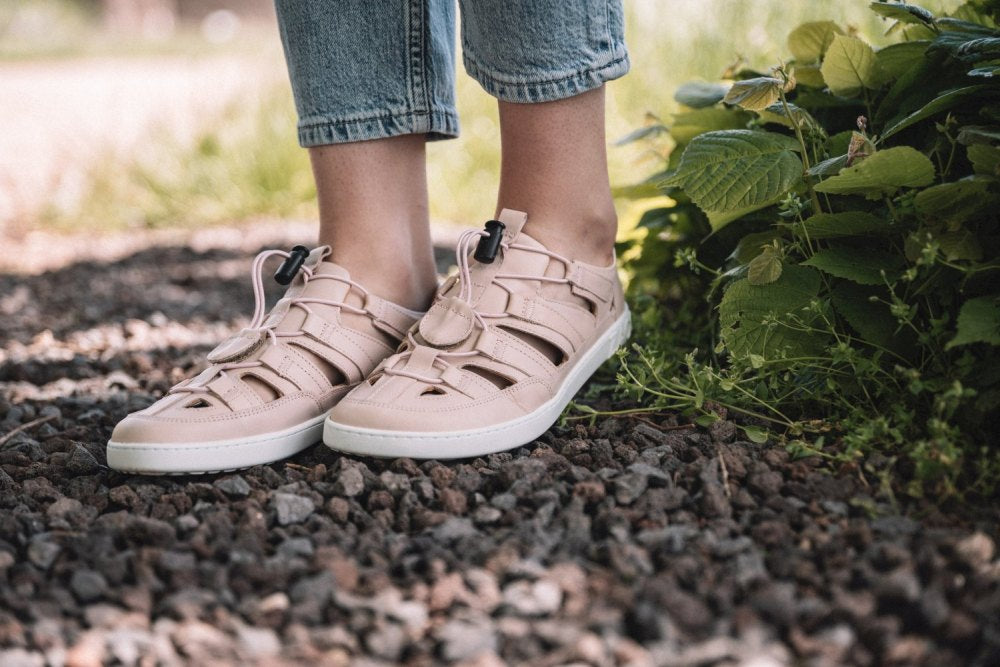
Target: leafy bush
{"points": [[828, 264]]}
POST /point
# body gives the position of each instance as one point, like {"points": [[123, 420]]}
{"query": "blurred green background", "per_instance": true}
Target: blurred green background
{"points": [[132, 114]]}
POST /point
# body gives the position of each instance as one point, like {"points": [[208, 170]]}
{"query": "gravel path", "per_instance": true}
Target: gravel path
{"points": [[640, 541]]}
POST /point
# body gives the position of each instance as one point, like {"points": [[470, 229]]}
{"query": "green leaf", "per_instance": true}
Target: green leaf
{"points": [[751, 245], [985, 159], [641, 133], [986, 71], [736, 169], [872, 320], [764, 268], [983, 48], [700, 94], [755, 94], [706, 420], [810, 41], [896, 59], [850, 66], [978, 322], [860, 265], [838, 143], [849, 223], [808, 75], [690, 124], [903, 13], [761, 319], [960, 201], [960, 245], [719, 219], [939, 104], [970, 14], [978, 134], [655, 218], [882, 174], [643, 190], [755, 434], [829, 167], [796, 116]]}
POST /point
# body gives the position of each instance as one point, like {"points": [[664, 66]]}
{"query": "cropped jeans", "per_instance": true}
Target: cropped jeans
{"points": [[368, 69]]}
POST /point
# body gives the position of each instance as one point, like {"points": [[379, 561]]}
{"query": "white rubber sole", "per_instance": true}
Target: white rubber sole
{"points": [[500, 437], [188, 458]]}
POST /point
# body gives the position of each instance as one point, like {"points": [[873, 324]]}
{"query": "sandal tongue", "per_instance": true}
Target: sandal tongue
{"points": [[449, 321], [494, 298]]}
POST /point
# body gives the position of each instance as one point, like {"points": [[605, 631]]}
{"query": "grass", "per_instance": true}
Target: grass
{"points": [[247, 163]]}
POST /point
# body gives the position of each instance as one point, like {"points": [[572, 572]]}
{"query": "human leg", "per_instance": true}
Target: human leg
{"points": [[371, 85], [546, 63], [372, 81], [373, 214], [520, 328], [554, 166]]}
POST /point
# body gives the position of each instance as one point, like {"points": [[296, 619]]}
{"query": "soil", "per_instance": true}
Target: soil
{"points": [[638, 541]]}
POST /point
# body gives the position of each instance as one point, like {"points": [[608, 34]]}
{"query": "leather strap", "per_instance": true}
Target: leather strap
{"points": [[295, 368], [235, 394], [584, 282], [339, 338], [348, 367], [555, 324], [387, 316], [512, 351]]}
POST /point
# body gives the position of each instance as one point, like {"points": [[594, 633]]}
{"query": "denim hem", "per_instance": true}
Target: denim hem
{"points": [[437, 124], [521, 89]]}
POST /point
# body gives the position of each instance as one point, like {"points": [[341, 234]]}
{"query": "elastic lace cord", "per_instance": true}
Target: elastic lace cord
{"points": [[465, 294], [256, 323]]}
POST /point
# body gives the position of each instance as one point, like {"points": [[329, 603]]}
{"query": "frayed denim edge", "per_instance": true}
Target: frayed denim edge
{"points": [[438, 124], [548, 90]]}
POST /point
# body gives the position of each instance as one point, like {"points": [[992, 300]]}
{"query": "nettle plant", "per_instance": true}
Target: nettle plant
{"points": [[829, 257]]}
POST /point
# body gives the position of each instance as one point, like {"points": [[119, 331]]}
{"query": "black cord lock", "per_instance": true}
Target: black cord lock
{"points": [[486, 249], [286, 272]]}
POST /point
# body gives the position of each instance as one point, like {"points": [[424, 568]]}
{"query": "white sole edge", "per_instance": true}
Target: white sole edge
{"points": [[500, 437], [197, 458]]}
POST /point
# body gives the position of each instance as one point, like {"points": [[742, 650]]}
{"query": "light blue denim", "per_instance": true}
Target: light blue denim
{"points": [[367, 69]]}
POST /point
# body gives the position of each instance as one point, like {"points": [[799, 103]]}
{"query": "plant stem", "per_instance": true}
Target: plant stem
{"points": [[805, 152]]}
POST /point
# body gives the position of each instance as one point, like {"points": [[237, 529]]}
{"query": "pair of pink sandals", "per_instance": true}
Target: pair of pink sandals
{"points": [[507, 342]]}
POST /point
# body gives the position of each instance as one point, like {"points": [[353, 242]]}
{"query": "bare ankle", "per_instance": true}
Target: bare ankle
{"points": [[589, 238], [404, 284]]}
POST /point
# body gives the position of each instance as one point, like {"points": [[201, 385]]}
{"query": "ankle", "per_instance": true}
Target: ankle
{"points": [[588, 238], [408, 283]]}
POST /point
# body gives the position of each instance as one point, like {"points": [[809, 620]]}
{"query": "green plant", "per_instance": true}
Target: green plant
{"points": [[829, 261]]}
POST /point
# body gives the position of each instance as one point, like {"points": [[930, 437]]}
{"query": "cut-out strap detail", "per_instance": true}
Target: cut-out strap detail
{"points": [[257, 328], [464, 276]]}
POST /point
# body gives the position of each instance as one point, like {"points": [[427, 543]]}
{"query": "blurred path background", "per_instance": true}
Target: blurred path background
{"points": [[119, 117]]}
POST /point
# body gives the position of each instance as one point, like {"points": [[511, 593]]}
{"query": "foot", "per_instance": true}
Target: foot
{"points": [[268, 387], [496, 359]]}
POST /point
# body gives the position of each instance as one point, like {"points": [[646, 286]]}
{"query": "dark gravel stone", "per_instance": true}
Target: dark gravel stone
{"points": [[350, 482], [629, 487], [42, 551], [88, 585], [234, 486], [81, 461], [292, 508], [764, 482], [639, 540]]}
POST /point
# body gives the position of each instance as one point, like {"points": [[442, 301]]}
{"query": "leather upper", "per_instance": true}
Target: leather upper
{"points": [[278, 375], [521, 334]]}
